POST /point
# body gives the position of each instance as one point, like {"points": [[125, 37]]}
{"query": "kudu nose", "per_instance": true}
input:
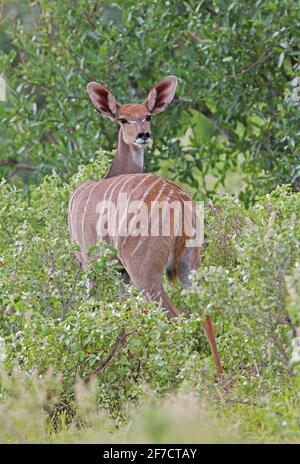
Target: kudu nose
{"points": [[143, 135]]}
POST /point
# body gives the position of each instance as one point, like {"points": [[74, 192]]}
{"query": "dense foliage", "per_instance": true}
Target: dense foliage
{"points": [[236, 62], [51, 320], [83, 356]]}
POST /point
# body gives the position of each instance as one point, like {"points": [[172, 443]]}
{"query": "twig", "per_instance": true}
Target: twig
{"points": [[8, 162], [18, 167], [265, 55], [16, 164], [118, 345]]}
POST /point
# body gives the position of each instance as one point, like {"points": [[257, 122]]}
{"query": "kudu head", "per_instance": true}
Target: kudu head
{"points": [[134, 118]]}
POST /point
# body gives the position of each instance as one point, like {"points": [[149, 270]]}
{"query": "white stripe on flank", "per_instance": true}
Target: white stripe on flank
{"points": [[131, 193], [122, 187], [163, 187], [141, 201], [150, 217], [177, 188], [83, 216], [73, 200], [117, 184], [85, 209], [181, 192], [110, 190]]}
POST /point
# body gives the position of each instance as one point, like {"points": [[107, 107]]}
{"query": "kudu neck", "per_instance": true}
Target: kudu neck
{"points": [[128, 160]]}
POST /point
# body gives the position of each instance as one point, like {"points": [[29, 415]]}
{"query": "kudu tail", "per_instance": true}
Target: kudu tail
{"points": [[175, 259]]}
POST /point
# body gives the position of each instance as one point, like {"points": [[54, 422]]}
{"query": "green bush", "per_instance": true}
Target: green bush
{"points": [[51, 320], [248, 296], [100, 363], [178, 418], [236, 63]]}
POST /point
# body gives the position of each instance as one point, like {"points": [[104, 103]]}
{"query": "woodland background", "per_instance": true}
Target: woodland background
{"points": [[103, 365]]}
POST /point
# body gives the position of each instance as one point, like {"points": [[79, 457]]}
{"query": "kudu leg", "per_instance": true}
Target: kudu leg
{"points": [[211, 337], [159, 294], [209, 329], [208, 324], [172, 310], [152, 287]]}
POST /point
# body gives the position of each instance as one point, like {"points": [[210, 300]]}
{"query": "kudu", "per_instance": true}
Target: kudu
{"points": [[144, 256]]}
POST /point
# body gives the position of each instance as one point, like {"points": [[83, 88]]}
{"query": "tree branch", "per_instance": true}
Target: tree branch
{"points": [[118, 345], [16, 165], [8, 162]]}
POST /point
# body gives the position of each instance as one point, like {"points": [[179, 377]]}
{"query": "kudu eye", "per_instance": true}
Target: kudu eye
{"points": [[148, 118], [123, 121]]}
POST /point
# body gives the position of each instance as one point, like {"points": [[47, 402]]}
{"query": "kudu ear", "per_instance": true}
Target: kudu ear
{"points": [[103, 100], [161, 95]]}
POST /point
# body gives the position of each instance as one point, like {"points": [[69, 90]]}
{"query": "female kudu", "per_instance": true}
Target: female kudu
{"points": [[143, 254]]}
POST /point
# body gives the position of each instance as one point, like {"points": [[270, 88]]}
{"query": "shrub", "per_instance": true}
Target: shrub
{"points": [[178, 418], [51, 320], [248, 298], [293, 307]]}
